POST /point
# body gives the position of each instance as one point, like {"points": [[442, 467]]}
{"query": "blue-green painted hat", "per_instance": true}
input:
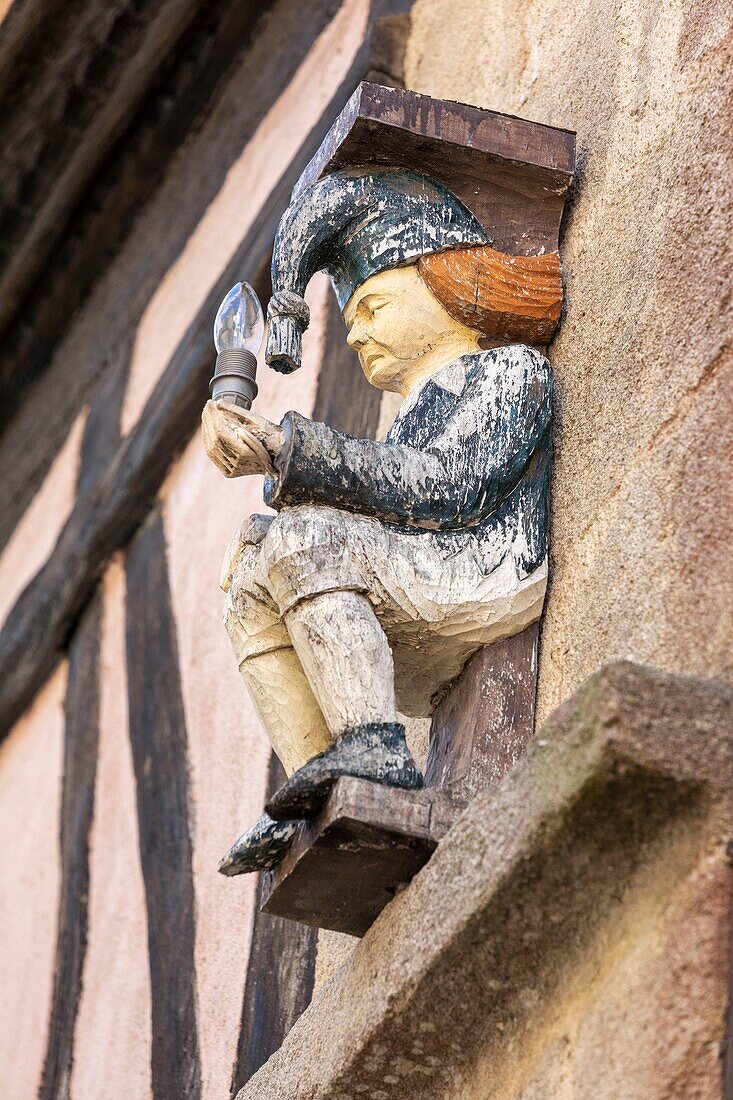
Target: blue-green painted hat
{"points": [[352, 225]]}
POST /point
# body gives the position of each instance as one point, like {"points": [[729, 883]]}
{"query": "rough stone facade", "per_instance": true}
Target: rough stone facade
{"points": [[569, 939], [642, 516]]}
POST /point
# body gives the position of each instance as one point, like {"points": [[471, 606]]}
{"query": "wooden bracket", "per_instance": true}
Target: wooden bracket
{"points": [[366, 846]]}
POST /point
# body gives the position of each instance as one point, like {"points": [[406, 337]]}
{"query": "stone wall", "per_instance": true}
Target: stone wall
{"points": [[642, 516]]}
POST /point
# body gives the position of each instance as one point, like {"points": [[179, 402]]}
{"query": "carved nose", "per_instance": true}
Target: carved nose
{"points": [[356, 337]]}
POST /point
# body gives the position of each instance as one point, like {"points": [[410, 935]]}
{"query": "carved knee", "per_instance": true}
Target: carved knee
{"points": [[249, 534], [305, 553]]}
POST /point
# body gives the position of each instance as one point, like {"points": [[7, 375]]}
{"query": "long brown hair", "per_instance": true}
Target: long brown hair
{"points": [[504, 297]]}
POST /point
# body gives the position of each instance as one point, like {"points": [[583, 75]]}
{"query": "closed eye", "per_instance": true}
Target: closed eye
{"points": [[374, 303]]}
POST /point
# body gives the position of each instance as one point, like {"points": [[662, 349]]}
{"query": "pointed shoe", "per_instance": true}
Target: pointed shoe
{"points": [[377, 752], [259, 849]]}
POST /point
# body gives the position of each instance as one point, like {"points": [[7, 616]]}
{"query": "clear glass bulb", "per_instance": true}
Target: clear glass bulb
{"points": [[239, 322]]}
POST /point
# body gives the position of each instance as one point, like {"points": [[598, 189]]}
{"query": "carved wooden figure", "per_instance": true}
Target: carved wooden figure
{"points": [[388, 564]]}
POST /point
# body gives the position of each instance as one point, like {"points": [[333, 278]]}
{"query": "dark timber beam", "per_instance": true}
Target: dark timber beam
{"points": [[107, 515], [159, 741], [213, 125], [280, 975], [81, 739], [89, 119]]}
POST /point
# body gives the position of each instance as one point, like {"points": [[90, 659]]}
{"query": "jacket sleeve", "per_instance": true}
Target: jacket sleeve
{"points": [[469, 467]]}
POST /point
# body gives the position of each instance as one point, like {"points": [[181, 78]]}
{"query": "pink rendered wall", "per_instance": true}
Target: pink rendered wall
{"points": [[227, 752], [31, 761], [112, 1039]]}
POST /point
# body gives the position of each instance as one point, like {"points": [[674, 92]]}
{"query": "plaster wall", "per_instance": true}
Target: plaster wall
{"points": [[31, 764], [112, 1041], [642, 509]]}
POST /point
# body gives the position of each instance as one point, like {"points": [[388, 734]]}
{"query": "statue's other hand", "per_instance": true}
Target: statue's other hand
{"points": [[231, 446]]}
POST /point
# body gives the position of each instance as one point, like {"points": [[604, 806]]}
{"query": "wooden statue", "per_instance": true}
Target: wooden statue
{"points": [[388, 564]]}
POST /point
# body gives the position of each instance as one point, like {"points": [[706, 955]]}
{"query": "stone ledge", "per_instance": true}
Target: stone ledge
{"points": [[531, 905]]}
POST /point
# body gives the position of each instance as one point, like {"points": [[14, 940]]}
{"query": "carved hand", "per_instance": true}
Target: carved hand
{"points": [[238, 441]]}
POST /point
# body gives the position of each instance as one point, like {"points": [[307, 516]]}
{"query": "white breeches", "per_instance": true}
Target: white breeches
{"points": [[435, 610]]}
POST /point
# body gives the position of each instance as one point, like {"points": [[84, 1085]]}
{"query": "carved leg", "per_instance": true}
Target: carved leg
{"points": [[281, 694], [346, 657], [286, 706], [271, 669]]}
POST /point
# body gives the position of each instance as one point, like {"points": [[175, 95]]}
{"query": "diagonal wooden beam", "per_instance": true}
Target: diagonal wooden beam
{"points": [[106, 516], [68, 203], [84, 81], [214, 123]]}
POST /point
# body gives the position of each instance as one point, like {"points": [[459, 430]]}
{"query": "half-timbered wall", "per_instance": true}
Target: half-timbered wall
{"points": [[132, 756]]}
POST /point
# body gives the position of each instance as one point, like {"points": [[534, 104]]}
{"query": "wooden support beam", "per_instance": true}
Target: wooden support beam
{"points": [[194, 123], [91, 113], [69, 94], [486, 720], [512, 174], [280, 975], [106, 516], [159, 741], [81, 740]]}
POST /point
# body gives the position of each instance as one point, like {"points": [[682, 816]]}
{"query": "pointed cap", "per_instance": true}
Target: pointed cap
{"points": [[353, 225]]}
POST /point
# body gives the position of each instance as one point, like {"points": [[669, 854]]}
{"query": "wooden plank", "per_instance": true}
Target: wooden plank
{"points": [[81, 750], [513, 174], [445, 128], [107, 515], [280, 976], [81, 741], [160, 758], [367, 844], [486, 720], [69, 95], [260, 64]]}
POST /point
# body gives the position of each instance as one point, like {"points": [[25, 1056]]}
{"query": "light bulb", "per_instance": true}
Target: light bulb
{"points": [[238, 331], [239, 322]]}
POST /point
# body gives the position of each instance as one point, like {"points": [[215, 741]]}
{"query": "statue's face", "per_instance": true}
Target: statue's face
{"points": [[394, 322]]}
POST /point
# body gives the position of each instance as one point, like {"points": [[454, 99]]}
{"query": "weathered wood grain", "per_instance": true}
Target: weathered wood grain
{"points": [[119, 184], [68, 97], [160, 757], [280, 975], [485, 722], [365, 846], [81, 741], [511, 173]]}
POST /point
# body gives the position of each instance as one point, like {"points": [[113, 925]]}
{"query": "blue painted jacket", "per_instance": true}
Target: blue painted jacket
{"points": [[467, 458]]}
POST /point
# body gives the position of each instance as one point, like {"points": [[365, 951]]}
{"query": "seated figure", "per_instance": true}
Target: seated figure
{"points": [[388, 564]]}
